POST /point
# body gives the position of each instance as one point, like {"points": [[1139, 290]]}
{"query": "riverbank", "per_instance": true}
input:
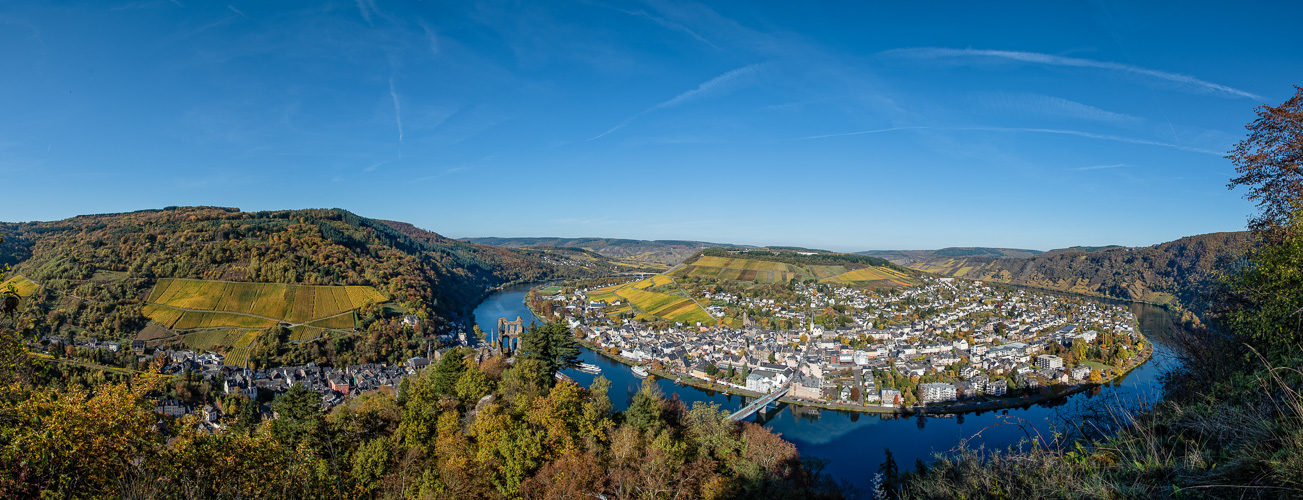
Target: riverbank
{"points": [[877, 409], [1049, 394]]}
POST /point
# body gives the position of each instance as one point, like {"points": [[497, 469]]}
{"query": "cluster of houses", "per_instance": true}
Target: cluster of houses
{"points": [[984, 341], [336, 385]]}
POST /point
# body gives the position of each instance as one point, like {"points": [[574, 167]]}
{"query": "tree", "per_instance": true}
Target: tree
{"points": [[1270, 163], [1265, 296], [645, 409], [298, 415], [448, 372], [553, 345]]}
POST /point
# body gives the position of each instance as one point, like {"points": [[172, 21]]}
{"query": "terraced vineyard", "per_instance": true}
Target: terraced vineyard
{"points": [[639, 298], [871, 275], [227, 316], [290, 303]]}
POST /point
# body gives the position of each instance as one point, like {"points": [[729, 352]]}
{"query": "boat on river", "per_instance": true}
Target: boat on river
{"points": [[640, 372], [589, 368]]}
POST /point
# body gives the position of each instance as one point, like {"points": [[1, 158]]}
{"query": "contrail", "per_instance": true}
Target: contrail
{"points": [[398, 110], [1053, 60]]}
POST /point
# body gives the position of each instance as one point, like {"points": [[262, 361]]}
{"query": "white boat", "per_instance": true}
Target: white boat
{"points": [[640, 372], [589, 368]]}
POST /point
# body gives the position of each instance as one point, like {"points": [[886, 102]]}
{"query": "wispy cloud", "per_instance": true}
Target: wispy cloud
{"points": [[237, 11], [1037, 104], [398, 112], [716, 85], [666, 23], [430, 35], [1054, 60], [1102, 167], [1092, 135], [1077, 133], [366, 7], [862, 132], [444, 172]]}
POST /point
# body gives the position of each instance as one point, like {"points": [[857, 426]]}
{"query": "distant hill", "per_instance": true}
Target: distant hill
{"points": [[662, 252], [906, 257], [1181, 270], [770, 265]]}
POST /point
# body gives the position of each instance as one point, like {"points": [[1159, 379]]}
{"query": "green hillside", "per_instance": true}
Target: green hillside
{"points": [[96, 272], [1178, 271]]}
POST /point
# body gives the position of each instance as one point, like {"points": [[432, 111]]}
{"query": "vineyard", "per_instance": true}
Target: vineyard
{"points": [[227, 317], [273, 301], [872, 275], [637, 298]]}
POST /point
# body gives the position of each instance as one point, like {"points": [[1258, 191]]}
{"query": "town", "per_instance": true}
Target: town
{"points": [[948, 342]]}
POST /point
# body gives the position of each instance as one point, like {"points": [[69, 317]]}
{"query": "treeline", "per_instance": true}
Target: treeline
{"points": [[850, 261], [464, 427]]}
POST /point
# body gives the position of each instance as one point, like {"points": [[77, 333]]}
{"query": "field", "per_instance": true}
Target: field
{"points": [[303, 333], [762, 271], [237, 357], [208, 340], [191, 320], [24, 286], [165, 316], [638, 297], [872, 275], [342, 321], [227, 317], [272, 301]]}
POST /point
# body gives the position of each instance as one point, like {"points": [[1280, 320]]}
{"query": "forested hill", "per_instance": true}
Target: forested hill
{"points": [[1180, 270], [663, 252], [906, 257], [112, 260]]}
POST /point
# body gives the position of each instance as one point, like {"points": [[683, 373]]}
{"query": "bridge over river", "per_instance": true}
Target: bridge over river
{"points": [[756, 405]]}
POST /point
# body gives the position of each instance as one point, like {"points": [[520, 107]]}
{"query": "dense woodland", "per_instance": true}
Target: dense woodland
{"points": [[1185, 269], [95, 270]]}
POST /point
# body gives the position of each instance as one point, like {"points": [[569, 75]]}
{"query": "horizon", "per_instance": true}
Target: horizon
{"points": [[746, 244], [825, 126]]}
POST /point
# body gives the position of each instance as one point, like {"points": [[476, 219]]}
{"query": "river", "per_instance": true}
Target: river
{"points": [[853, 443]]}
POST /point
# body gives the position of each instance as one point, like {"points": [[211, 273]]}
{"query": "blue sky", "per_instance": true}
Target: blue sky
{"points": [[848, 125]]}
